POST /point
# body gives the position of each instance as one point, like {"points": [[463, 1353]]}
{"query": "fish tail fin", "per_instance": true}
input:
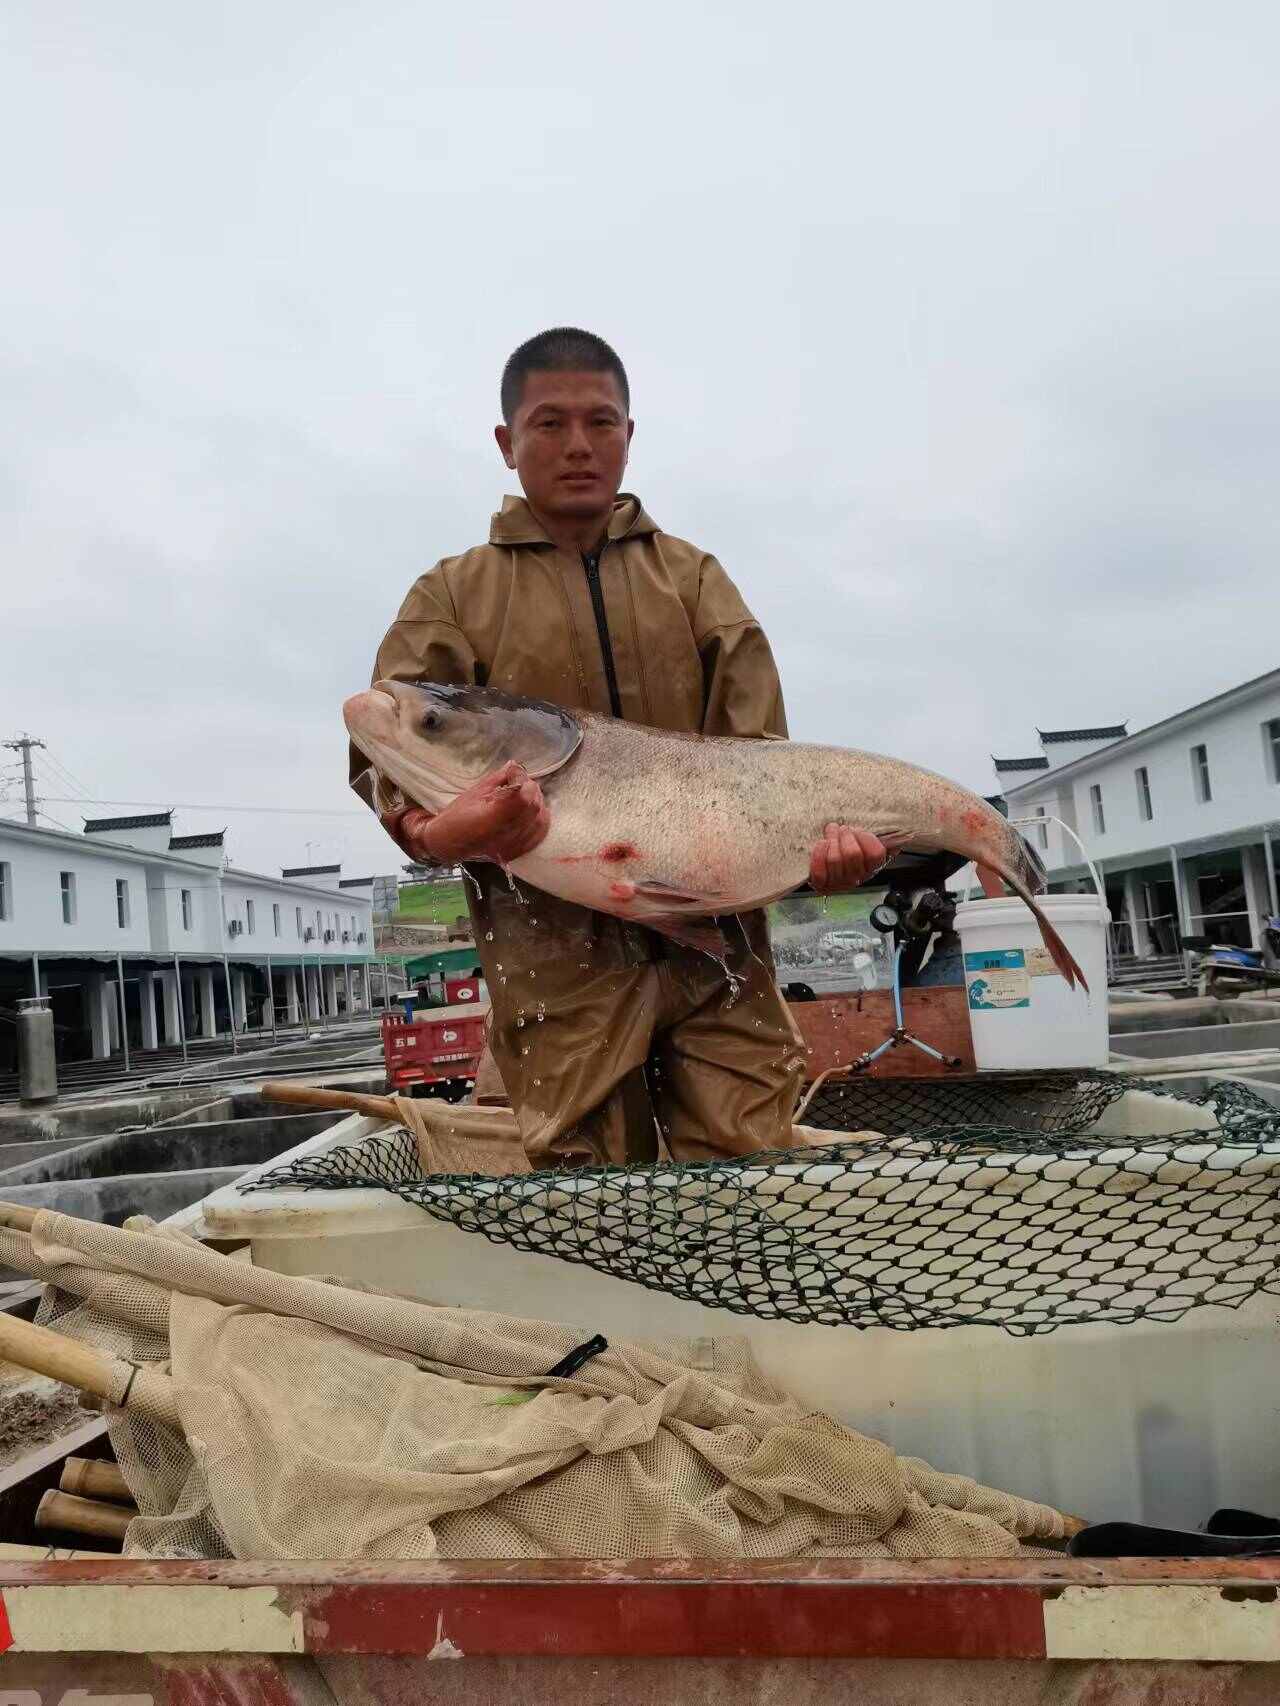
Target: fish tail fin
{"points": [[1059, 953]]}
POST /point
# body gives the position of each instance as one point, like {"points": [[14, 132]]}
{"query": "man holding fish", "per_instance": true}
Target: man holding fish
{"points": [[585, 705], [578, 598]]}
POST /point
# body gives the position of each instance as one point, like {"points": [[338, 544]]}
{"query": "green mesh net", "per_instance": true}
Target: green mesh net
{"points": [[1028, 1221]]}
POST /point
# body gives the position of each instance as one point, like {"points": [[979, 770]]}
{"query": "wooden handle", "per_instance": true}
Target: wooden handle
{"points": [[82, 1516], [93, 1479], [57, 1356], [447, 1116], [346, 1101]]}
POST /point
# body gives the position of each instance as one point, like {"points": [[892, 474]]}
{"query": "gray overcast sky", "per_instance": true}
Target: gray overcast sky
{"points": [[952, 330]]}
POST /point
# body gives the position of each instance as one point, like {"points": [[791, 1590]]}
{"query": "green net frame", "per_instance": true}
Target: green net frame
{"points": [[1026, 1225]]}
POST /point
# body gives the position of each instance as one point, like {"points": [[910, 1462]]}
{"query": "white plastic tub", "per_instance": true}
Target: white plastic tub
{"points": [[1154, 1421], [1022, 1014]]}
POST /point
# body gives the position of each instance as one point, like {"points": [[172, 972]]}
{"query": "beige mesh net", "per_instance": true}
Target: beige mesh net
{"points": [[320, 1421]]}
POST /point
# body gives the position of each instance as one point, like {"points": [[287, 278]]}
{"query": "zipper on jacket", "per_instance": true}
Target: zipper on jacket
{"points": [[591, 563]]}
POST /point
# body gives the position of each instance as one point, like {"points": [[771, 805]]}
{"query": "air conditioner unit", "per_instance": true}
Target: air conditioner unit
{"points": [[307, 934], [234, 927], [328, 935]]}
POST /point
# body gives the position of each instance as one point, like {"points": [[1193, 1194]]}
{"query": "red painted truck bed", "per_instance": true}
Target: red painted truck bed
{"points": [[1185, 1632]]}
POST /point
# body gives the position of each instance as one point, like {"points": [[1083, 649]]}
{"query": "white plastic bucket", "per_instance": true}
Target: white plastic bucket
{"points": [[1022, 1014]]}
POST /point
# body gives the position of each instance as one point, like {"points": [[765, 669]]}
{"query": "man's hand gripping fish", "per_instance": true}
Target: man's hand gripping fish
{"points": [[670, 830]]}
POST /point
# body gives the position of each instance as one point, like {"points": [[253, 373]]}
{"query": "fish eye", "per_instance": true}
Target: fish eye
{"points": [[431, 720]]}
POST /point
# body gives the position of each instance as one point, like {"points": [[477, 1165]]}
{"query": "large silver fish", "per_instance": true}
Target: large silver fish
{"points": [[668, 830]]}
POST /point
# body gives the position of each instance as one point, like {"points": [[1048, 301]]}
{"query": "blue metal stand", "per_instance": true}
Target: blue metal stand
{"points": [[900, 1032]]}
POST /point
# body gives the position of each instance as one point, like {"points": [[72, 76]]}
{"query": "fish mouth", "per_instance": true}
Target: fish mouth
{"points": [[370, 715]]}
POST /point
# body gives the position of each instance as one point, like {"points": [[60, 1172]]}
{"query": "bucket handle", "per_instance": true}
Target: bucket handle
{"points": [[970, 870]]}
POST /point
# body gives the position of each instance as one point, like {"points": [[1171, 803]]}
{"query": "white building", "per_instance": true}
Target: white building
{"points": [[129, 916], [1182, 819]]}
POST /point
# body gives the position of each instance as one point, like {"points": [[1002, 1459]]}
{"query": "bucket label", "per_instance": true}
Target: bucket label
{"points": [[997, 980], [1040, 963]]}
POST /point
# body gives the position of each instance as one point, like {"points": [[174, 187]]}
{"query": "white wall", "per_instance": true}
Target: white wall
{"points": [[147, 837], [336, 914], [155, 911], [1245, 790], [35, 896]]}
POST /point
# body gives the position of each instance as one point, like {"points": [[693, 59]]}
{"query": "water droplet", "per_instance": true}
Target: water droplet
{"points": [[537, 1081], [525, 1049], [488, 935], [520, 1021]]}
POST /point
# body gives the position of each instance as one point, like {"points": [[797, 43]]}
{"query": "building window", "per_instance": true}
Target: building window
{"points": [[1095, 800], [1042, 836], [297, 913], [1200, 773], [275, 916], [1144, 793], [248, 917], [68, 897], [1271, 739], [122, 903], [6, 891], [186, 909]]}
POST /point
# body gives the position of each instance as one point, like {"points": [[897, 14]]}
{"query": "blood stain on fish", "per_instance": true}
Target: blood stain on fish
{"points": [[614, 852]]}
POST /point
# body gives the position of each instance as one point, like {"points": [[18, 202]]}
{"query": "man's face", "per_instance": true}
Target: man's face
{"points": [[568, 443]]}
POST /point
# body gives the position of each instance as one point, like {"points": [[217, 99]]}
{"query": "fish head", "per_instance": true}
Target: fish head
{"points": [[433, 741]]}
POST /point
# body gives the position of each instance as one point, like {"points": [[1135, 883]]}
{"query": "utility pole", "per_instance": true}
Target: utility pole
{"points": [[24, 746]]}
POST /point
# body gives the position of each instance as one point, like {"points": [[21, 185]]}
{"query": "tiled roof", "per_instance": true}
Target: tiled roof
{"points": [[312, 871], [1114, 731], [213, 839], [151, 820], [355, 882], [1003, 764]]}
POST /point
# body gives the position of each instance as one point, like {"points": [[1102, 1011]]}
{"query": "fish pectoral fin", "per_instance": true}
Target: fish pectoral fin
{"points": [[670, 894], [893, 840], [704, 934]]}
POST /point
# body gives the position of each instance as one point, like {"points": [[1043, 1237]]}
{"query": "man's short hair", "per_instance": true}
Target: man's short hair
{"points": [[564, 349]]}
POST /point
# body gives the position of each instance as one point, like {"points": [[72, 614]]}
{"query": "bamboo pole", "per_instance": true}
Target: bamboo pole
{"points": [[82, 1516], [76, 1364], [94, 1479]]}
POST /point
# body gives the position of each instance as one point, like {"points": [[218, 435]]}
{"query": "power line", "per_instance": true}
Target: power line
{"points": [[61, 773], [198, 806]]}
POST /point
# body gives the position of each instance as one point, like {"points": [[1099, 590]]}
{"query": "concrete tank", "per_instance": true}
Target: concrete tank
{"points": [[37, 1063]]}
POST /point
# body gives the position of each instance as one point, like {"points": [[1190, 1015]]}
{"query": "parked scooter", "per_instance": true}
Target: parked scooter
{"points": [[1226, 970]]}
